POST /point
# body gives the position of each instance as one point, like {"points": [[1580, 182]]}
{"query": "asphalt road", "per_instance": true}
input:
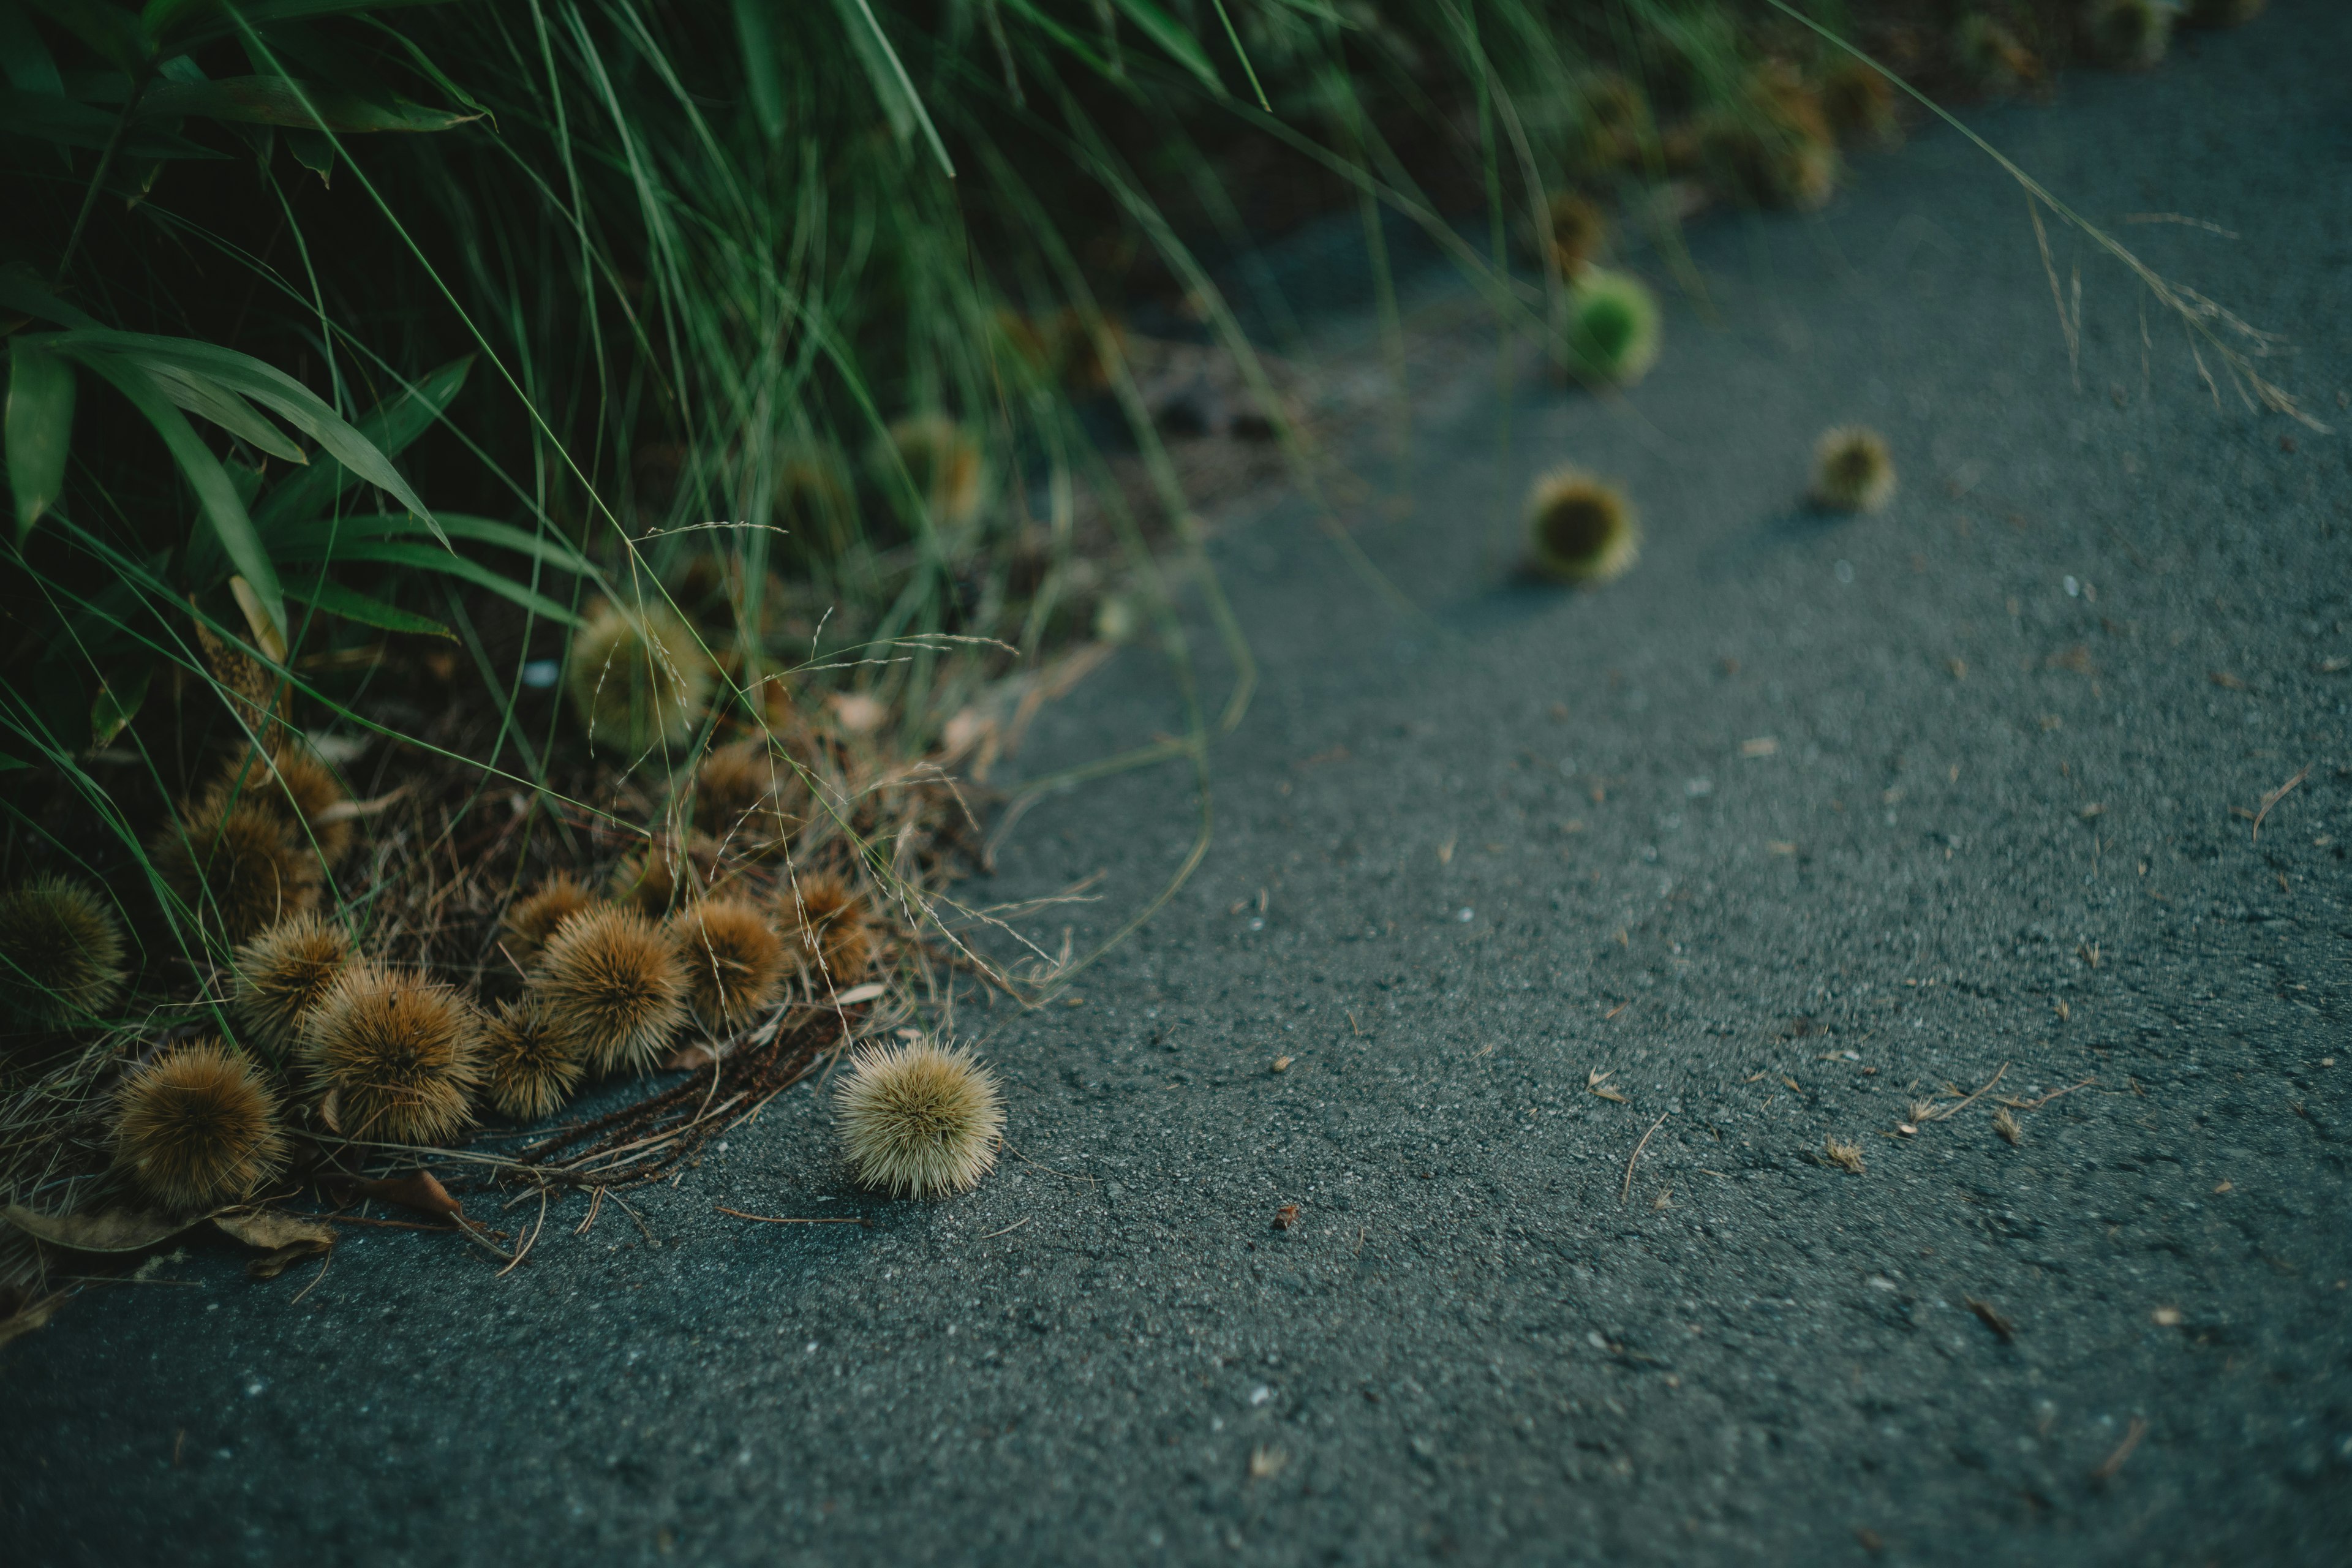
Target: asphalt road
{"points": [[1465, 862]]}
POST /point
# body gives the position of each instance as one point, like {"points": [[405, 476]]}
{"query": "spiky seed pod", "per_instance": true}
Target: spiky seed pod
{"points": [[241, 870], [531, 1070], [2130, 34], [920, 1120], [1581, 529], [639, 678], [814, 504], [197, 1128], [650, 879], [283, 973], [1575, 230], [60, 951], [943, 460], [297, 785], [1990, 54], [746, 797], [1852, 470], [2221, 13], [830, 927], [614, 986], [1613, 326], [1860, 105], [398, 1057], [734, 961], [531, 920]]}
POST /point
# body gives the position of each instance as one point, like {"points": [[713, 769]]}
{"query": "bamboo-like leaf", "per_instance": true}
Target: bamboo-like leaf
{"points": [[40, 425], [215, 492], [353, 605], [270, 387], [302, 106], [425, 556], [390, 428], [23, 58], [207, 399], [114, 33], [19, 292], [185, 23], [46, 116], [323, 539], [118, 702]]}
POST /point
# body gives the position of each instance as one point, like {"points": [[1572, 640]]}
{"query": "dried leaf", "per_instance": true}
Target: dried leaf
{"points": [[99, 1230], [1285, 1216], [270, 1265], [1605, 1092], [270, 1229], [418, 1189]]}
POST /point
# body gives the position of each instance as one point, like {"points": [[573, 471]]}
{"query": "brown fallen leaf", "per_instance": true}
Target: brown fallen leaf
{"points": [[99, 1230], [418, 1189], [1285, 1216], [271, 1264], [270, 1229]]}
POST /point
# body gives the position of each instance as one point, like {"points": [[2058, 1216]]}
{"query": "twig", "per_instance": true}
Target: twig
{"points": [[2273, 798], [776, 1219], [532, 1240], [2038, 1104], [595, 1202], [2115, 1461], [1627, 1189], [389, 1224], [1009, 1230], [329, 1256], [1962, 1105]]}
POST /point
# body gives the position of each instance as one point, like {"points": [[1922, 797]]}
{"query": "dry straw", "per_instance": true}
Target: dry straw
{"points": [[734, 961], [395, 1058], [1581, 529], [529, 1071], [920, 1120], [197, 1128], [614, 986], [282, 974], [60, 951]]}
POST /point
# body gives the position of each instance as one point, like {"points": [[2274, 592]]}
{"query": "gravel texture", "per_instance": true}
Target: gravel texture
{"points": [[1800, 823]]}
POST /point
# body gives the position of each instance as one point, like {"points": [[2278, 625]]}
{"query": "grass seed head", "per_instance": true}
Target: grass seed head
{"points": [[1581, 529], [283, 973], [529, 1070], [734, 961], [533, 919], [241, 871], [639, 678], [1846, 1157], [614, 986], [399, 1055], [2130, 34], [942, 459], [1852, 471], [60, 951], [1613, 327], [920, 1120], [197, 1128], [830, 928], [2006, 1125]]}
